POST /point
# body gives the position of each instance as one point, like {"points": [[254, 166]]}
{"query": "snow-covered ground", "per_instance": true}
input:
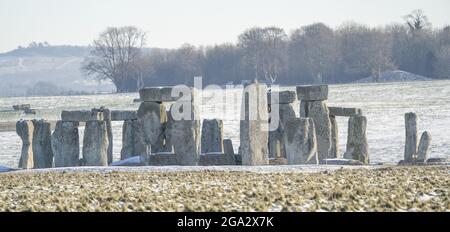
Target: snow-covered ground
{"points": [[395, 76], [384, 105]]}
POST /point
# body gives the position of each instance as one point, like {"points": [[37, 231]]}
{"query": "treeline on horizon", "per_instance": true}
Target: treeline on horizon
{"points": [[311, 54]]}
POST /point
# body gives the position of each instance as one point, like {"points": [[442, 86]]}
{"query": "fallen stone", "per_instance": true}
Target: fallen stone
{"points": [[217, 159], [42, 144], [164, 159], [424, 146], [318, 111], [95, 144], [300, 142], [411, 137], [66, 144], [254, 129], [312, 93], [278, 161], [117, 115], [343, 162], [344, 112], [212, 136], [81, 116], [357, 146], [21, 107], [437, 160], [25, 130], [284, 97], [29, 111], [334, 152]]}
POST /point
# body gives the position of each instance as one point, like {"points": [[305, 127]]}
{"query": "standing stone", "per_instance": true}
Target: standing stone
{"points": [[228, 146], [42, 145], [357, 146], [276, 145], [107, 118], [334, 152], [300, 142], [66, 144], [318, 111], [254, 134], [212, 136], [424, 146], [186, 137], [152, 116], [25, 130], [95, 144], [130, 141], [411, 137]]}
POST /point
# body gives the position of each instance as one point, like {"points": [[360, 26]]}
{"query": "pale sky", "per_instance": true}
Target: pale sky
{"points": [[171, 23]]}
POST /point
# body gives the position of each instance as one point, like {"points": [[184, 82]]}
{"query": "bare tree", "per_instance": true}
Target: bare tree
{"points": [[417, 20], [251, 42], [274, 53], [314, 48], [115, 56]]}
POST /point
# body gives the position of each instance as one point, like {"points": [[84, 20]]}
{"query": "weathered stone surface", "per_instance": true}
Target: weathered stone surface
{"points": [[334, 152], [254, 134], [186, 138], [81, 116], [357, 146], [344, 112], [284, 97], [300, 142], [120, 115], [312, 93], [66, 144], [228, 146], [163, 159], [217, 159], [343, 162], [212, 136], [276, 145], [107, 118], [21, 107], [238, 159], [276, 142], [25, 130], [424, 146], [95, 144], [411, 137], [157, 95], [151, 117], [130, 141], [42, 144], [318, 111], [437, 160]]}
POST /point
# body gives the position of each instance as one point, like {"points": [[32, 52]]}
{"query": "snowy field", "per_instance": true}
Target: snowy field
{"points": [[383, 104]]}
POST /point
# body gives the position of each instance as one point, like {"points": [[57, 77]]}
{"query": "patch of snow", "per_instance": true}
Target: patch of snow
{"points": [[395, 76], [6, 169]]}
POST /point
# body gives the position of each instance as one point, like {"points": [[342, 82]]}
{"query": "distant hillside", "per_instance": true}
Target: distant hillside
{"points": [[395, 76], [23, 68]]}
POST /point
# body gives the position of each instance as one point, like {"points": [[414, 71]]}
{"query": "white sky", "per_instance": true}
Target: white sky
{"points": [[171, 23]]}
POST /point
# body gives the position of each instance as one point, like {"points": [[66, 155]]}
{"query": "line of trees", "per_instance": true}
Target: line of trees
{"points": [[314, 53]]}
